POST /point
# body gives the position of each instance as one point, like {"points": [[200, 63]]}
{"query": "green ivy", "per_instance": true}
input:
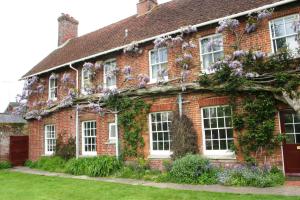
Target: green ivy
{"points": [[132, 118]]}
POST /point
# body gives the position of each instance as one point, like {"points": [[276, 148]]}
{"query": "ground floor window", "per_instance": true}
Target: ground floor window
{"points": [[89, 138], [160, 123], [50, 139], [217, 130]]}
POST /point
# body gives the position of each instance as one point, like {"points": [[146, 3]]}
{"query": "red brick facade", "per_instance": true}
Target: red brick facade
{"points": [[64, 120]]}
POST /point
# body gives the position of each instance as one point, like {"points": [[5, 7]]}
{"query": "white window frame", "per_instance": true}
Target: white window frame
{"points": [[53, 131], [158, 153], [153, 80], [285, 36], [222, 154], [88, 153], [110, 127], [213, 52], [53, 90], [83, 79], [104, 74]]}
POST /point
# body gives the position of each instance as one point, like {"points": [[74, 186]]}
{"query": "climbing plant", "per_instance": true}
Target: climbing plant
{"points": [[132, 119]]}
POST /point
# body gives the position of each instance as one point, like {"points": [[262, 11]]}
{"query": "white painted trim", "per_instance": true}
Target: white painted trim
{"points": [[214, 154], [49, 89], [166, 34], [83, 152], [112, 140], [48, 153], [281, 145], [157, 154]]}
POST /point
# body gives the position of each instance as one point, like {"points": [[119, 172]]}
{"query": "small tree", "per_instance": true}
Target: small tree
{"points": [[65, 150], [184, 136]]}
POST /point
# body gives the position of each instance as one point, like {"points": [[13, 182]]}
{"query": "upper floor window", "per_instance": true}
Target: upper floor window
{"points": [[160, 133], [217, 130], [110, 78], [89, 138], [158, 63], [53, 88], [85, 78], [283, 33], [50, 139], [211, 50]]}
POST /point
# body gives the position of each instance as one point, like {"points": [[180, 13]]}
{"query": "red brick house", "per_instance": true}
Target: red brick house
{"points": [[96, 134]]}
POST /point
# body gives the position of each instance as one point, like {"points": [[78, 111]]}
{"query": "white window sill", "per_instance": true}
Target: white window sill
{"points": [[221, 157], [89, 154], [48, 154], [159, 156]]}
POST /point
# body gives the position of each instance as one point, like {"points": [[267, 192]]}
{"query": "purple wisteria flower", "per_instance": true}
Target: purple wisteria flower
{"points": [[72, 93], [66, 78], [143, 80], [177, 40], [40, 89], [264, 14], [127, 72], [50, 103], [239, 53], [162, 42], [132, 48], [235, 64], [188, 29], [95, 107], [250, 27], [258, 55], [296, 25], [231, 24], [88, 66], [184, 75], [98, 65]]}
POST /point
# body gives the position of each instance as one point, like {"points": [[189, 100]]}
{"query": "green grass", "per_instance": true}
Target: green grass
{"points": [[32, 187]]}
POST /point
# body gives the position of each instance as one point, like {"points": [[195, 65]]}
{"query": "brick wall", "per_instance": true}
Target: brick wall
{"points": [[65, 119]]}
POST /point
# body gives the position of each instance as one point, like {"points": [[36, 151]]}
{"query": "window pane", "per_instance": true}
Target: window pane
{"points": [[281, 43], [290, 139], [218, 56], [163, 55], [160, 136], [154, 57], [155, 146], [223, 145], [216, 145], [288, 118], [218, 43], [208, 145], [228, 122], [205, 113], [289, 128], [207, 60], [289, 21], [204, 46], [292, 43], [207, 134], [213, 112], [161, 146], [278, 28], [220, 122], [229, 133], [297, 138], [222, 134], [213, 123], [215, 134], [297, 118], [297, 128]]}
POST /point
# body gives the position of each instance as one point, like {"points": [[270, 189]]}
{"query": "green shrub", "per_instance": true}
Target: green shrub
{"points": [[95, 166], [184, 136], [189, 168], [168, 164], [51, 164], [30, 164], [5, 165]]}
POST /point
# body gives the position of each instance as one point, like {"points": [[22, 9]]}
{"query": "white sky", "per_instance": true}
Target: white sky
{"points": [[29, 32]]}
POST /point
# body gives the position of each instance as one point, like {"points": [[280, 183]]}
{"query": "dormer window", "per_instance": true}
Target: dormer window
{"points": [[53, 87], [283, 33]]}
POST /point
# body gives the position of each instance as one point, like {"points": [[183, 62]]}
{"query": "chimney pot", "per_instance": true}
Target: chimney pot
{"points": [[144, 6], [67, 28]]}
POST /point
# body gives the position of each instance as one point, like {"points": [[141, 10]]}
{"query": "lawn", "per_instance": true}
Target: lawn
{"points": [[17, 186]]}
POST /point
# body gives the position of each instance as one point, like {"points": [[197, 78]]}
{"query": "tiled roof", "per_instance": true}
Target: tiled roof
{"points": [[164, 18], [11, 119]]}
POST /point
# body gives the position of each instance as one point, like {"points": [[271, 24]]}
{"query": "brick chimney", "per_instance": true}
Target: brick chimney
{"points": [[67, 28], [145, 6]]}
